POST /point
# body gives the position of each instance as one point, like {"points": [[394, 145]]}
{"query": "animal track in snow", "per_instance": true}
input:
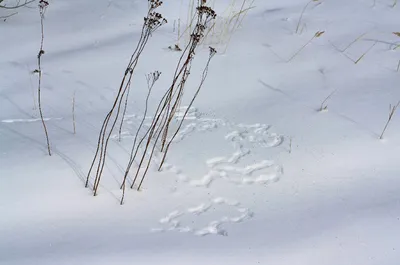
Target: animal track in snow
{"points": [[173, 221], [232, 168]]}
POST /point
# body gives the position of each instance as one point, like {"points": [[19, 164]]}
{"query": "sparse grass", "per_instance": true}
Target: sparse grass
{"points": [[392, 110]]}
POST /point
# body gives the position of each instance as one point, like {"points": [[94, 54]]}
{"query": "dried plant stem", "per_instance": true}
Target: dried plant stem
{"points": [[124, 112], [151, 80], [392, 110], [398, 66], [42, 9], [204, 76], [169, 103], [152, 22]]}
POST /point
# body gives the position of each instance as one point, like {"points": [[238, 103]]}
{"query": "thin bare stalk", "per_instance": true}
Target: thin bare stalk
{"points": [[42, 9], [204, 76], [392, 110], [123, 115]]}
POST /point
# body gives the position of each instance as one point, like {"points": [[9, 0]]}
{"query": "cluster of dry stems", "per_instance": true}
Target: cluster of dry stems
{"points": [[158, 134]]}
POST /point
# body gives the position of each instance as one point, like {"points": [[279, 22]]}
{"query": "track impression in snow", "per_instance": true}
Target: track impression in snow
{"points": [[243, 139], [174, 221]]}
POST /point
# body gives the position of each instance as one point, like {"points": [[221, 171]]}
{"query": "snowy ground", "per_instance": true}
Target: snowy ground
{"points": [[257, 175]]}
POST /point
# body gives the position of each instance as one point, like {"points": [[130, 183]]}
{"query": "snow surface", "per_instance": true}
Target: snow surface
{"points": [[257, 174]]}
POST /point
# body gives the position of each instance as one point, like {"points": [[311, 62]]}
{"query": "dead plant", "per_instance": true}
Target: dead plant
{"points": [[152, 22]]}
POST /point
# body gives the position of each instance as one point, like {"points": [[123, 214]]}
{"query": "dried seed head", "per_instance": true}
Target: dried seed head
{"points": [[207, 11], [213, 51], [154, 20], [319, 34], [155, 3], [43, 4], [397, 34]]}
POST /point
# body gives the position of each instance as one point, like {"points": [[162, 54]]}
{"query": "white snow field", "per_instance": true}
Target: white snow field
{"points": [[258, 173]]}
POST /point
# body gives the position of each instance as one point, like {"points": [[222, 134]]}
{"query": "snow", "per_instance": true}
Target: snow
{"points": [[257, 174]]}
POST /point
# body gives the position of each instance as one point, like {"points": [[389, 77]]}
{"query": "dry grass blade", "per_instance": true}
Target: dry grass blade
{"points": [[392, 110], [316, 35], [365, 53], [323, 106]]}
